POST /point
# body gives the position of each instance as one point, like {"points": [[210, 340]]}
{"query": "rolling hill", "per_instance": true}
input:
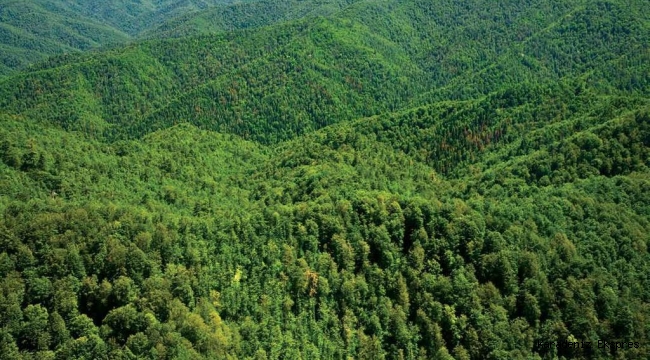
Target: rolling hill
{"points": [[244, 15], [175, 242], [32, 31], [368, 180], [311, 73]]}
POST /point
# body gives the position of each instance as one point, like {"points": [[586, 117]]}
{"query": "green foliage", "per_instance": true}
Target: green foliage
{"points": [[244, 15], [360, 61], [32, 31], [392, 181]]}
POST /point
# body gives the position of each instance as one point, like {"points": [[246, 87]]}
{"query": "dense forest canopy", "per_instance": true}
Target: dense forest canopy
{"points": [[325, 179], [30, 31]]}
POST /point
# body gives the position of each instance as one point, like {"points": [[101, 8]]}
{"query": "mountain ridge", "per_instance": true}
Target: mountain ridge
{"points": [[334, 61]]}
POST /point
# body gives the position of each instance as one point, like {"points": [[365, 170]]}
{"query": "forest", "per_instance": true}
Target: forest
{"points": [[325, 179]]}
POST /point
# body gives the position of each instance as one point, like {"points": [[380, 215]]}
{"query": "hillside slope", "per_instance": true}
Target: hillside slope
{"points": [[244, 15], [363, 60], [30, 32], [341, 242], [133, 17], [34, 30]]}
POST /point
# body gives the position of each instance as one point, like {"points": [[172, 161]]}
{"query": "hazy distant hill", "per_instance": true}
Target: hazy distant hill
{"points": [[244, 15], [32, 30], [132, 17]]}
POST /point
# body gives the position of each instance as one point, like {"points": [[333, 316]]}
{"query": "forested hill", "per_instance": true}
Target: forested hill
{"points": [[343, 242], [272, 83], [351, 180], [30, 31], [242, 15]]}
